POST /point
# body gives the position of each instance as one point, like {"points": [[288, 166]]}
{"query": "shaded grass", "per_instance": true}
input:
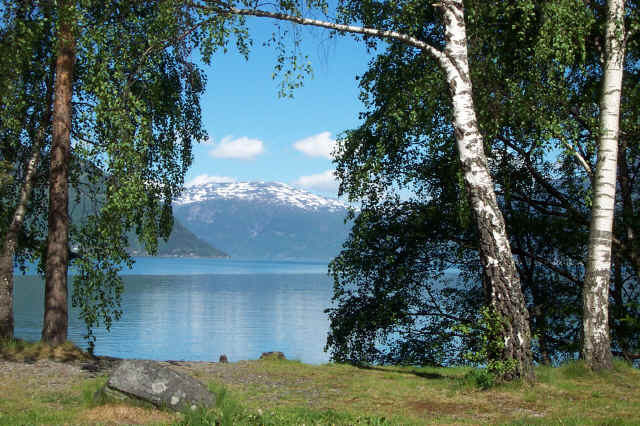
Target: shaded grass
{"points": [[22, 351], [281, 392]]}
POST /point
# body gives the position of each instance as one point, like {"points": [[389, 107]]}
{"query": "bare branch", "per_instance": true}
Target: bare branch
{"points": [[580, 158], [548, 265]]}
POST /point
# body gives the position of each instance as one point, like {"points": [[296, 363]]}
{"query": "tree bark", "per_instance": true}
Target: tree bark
{"points": [[11, 238], [6, 290], [54, 330], [503, 284], [596, 347]]}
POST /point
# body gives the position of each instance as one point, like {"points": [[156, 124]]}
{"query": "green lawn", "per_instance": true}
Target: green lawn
{"points": [[277, 392]]}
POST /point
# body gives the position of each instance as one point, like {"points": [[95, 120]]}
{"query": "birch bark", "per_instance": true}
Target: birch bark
{"points": [[502, 283], [596, 348], [11, 242]]}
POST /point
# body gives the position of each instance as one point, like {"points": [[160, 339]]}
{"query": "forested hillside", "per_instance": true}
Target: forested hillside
{"points": [[181, 243]]}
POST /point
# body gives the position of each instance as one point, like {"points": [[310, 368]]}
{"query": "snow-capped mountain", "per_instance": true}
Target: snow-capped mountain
{"points": [[268, 192], [264, 220]]}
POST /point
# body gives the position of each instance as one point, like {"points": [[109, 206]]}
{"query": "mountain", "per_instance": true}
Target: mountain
{"points": [[264, 220], [181, 243]]}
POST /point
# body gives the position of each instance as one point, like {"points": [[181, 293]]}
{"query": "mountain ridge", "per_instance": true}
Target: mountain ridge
{"points": [[276, 192], [264, 220]]}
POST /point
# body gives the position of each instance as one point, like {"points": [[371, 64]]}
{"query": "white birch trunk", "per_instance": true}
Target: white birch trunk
{"points": [[596, 348], [502, 281], [502, 287]]}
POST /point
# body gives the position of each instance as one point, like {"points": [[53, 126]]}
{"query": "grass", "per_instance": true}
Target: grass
{"points": [[281, 392], [23, 351]]}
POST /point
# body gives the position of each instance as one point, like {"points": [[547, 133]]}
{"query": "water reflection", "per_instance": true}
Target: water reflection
{"points": [[199, 317]]}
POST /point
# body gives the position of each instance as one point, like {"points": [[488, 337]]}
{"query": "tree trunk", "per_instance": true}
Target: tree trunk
{"points": [[628, 245], [11, 239], [6, 291], [596, 347], [502, 283], [54, 330]]}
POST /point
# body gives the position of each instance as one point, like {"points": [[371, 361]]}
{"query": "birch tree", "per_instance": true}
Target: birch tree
{"points": [[122, 120], [10, 243], [123, 124], [596, 348], [502, 282], [25, 92], [535, 90]]}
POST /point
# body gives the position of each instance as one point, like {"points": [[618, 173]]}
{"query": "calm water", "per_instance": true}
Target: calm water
{"points": [[197, 309]]}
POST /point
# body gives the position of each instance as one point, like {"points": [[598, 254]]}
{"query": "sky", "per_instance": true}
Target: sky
{"points": [[256, 136]]}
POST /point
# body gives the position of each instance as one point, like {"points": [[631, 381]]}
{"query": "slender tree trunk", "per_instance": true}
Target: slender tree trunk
{"points": [[596, 348], [6, 290], [628, 245], [54, 330], [11, 239], [503, 284]]}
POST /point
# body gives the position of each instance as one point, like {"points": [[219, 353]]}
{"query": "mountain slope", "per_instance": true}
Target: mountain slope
{"points": [[181, 243], [264, 220]]}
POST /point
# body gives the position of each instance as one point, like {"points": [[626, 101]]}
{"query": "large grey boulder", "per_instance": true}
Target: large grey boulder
{"points": [[161, 386]]}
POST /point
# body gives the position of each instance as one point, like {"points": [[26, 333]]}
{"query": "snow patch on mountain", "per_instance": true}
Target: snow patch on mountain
{"points": [[267, 192]]}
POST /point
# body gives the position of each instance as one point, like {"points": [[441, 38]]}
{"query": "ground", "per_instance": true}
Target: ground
{"points": [[45, 391]]}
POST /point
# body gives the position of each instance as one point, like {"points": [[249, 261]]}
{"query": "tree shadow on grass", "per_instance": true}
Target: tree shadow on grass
{"points": [[423, 374]]}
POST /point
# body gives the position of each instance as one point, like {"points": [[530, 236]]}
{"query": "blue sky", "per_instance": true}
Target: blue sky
{"points": [[256, 136]]}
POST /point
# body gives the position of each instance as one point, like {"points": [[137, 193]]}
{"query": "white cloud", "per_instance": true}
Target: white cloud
{"points": [[242, 148], [325, 181], [204, 179], [320, 145]]}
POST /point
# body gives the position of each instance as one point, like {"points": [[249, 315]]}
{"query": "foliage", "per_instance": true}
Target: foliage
{"points": [[536, 91], [404, 301], [26, 88], [136, 114], [495, 367]]}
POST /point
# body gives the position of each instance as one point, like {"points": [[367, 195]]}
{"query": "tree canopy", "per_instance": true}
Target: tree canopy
{"points": [[537, 97], [135, 114]]}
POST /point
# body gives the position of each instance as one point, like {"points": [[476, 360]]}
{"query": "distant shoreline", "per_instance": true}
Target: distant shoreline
{"points": [[169, 256]]}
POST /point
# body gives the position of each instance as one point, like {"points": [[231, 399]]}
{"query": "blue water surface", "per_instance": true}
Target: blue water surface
{"points": [[198, 309]]}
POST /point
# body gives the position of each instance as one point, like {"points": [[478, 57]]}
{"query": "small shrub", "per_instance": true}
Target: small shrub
{"points": [[492, 325], [480, 378]]}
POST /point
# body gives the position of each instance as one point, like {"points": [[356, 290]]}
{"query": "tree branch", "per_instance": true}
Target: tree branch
{"points": [[579, 156], [224, 7], [548, 265], [545, 184]]}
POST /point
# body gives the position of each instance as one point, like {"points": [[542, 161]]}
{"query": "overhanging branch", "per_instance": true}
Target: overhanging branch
{"points": [[224, 7]]}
